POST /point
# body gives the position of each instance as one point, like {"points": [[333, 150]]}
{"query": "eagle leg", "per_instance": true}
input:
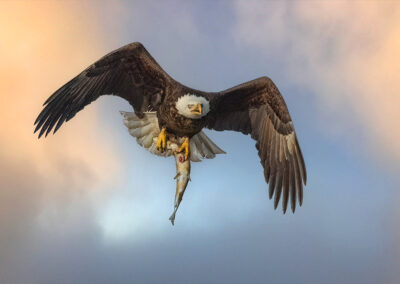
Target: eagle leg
{"points": [[185, 146], [161, 140]]}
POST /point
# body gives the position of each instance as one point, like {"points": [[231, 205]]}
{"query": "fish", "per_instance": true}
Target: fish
{"points": [[182, 179]]}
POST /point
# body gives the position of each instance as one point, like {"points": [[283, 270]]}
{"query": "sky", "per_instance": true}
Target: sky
{"points": [[89, 205]]}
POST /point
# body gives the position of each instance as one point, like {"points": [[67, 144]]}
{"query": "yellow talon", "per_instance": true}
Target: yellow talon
{"points": [[185, 146], [161, 140]]}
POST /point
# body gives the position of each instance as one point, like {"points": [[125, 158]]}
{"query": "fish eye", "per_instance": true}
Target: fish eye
{"points": [[201, 105]]}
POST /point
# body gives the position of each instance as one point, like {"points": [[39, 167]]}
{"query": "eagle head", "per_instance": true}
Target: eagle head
{"points": [[192, 106]]}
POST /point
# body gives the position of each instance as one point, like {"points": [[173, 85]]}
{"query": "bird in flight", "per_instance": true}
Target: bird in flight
{"points": [[168, 118]]}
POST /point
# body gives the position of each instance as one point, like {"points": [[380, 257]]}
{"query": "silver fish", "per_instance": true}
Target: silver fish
{"points": [[182, 178]]}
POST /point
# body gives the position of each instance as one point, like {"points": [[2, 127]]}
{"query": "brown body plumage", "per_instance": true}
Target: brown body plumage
{"points": [[256, 108]]}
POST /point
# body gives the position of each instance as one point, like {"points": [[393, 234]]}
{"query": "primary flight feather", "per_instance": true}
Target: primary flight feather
{"points": [[167, 113]]}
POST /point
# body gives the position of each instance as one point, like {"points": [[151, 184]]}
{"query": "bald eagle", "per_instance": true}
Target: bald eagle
{"points": [[166, 110]]}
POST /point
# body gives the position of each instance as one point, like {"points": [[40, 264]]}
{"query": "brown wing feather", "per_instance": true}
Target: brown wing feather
{"points": [[129, 72], [257, 108]]}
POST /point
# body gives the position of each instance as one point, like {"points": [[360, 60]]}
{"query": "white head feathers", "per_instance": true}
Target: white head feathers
{"points": [[183, 106]]}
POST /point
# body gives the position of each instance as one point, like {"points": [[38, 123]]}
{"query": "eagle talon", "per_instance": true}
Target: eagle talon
{"points": [[185, 146], [161, 140]]}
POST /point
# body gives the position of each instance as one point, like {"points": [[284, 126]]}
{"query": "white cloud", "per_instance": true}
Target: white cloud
{"points": [[347, 53]]}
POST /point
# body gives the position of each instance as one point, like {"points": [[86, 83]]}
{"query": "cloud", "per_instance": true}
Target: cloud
{"points": [[346, 53], [41, 179]]}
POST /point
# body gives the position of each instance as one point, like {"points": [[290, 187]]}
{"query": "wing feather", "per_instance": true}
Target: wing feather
{"points": [[285, 186], [257, 108], [128, 72], [292, 179], [299, 183]]}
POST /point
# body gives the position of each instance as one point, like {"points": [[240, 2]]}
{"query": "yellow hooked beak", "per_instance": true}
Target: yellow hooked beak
{"points": [[197, 109]]}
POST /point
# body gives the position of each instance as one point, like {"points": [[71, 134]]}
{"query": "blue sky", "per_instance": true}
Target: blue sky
{"points": [[226, 229]]}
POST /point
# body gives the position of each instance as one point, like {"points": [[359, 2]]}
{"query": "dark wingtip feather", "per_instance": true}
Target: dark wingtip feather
{"points": [[303, 165], [293, 202], [284, 205], [272, 185], [59, 123], [300, 195], [286, 174], [47, 125], [277, 197], [36, 129], [292, 178], [271, 191], [40, 116], [41, 132], [42, 125], [36, 120]]}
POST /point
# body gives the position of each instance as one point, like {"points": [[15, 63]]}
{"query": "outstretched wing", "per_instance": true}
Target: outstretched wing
{"points": [[257, 108], [129, 72]]}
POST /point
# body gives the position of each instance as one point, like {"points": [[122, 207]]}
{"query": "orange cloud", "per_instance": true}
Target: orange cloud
{"points": [[44, 44]]}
